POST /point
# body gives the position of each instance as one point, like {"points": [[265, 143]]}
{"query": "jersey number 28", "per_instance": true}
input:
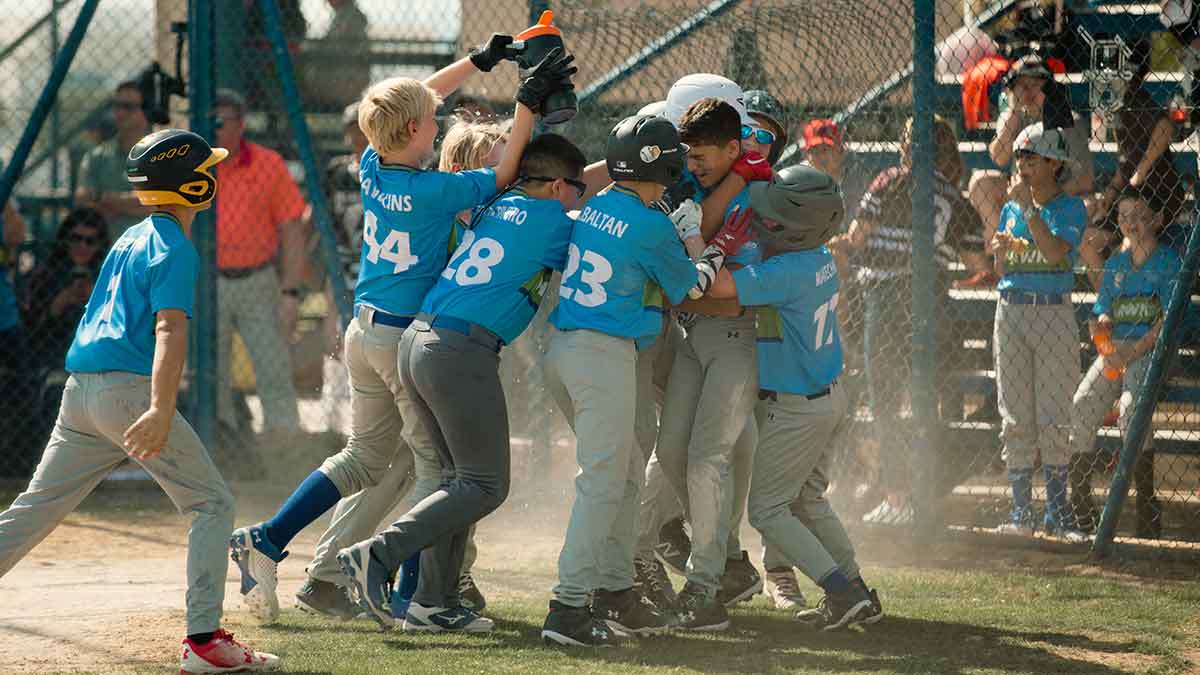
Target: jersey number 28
{"points": [[474, 259]]}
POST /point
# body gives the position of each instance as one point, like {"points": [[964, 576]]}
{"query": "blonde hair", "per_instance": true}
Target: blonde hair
{"points": [[467, 144], [388, 106]]}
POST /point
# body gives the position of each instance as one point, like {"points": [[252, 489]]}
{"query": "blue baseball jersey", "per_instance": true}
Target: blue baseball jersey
{"points": [[151, 267], [1065, 217], [408, 215], [500, 269], [799, 348], [621, 254], [1136, 298]]}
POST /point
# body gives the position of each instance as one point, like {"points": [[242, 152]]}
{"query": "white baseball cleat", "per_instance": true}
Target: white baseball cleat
{"points": [[258, 561], [441, 619]]}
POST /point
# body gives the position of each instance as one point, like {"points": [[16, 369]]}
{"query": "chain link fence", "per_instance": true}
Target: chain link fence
{"points": [[1117, 77]]}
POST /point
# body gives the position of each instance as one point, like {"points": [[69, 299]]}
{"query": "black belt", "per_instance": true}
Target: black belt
{"points": [[475, 332], [241, 272], [385, 319], [769, 395]]}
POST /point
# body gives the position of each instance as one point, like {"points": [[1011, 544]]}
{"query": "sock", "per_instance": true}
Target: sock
{"points": [[409, 574], [316, 495], [201, 638], [834, 582]]}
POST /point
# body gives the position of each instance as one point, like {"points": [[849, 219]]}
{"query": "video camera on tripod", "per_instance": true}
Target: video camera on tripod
{"points": [[158, 86]]}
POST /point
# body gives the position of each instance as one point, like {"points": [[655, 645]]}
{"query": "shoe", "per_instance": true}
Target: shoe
{"points": [[1015, 529], [1067, 534], [650, 577], [258, 561], [446, 620], [468, 593], [322, 597], [784, 590], [674, 547], [875, 614], [223, 654], [836, 610], [629, 611], [370, 584], [576, 627], [981, 279], [886, 514], [740, 581], [697, 611]]}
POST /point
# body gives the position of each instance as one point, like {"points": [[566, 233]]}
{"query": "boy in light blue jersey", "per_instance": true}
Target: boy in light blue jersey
{"points": [[801, 406], [1036, 340], [483, 300], [127, 357], [622, 258], [1129, 309], [407, 223]]}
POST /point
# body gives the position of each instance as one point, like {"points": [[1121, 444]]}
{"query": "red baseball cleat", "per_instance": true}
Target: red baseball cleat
{"points": [[223, 654]]}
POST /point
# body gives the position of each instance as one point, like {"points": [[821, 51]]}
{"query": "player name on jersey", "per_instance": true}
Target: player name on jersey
{"points": [[829, 271], [509, 214], [388, 200], [603, 222]]}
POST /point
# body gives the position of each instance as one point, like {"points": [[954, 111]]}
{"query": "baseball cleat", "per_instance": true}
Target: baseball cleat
{"points": [[740, 582], [370, 583], [258, 562], [629, 611], [847, 608], [696, 611], [650, 577], [674, 547], [784, 590], [441, 619], [576, 627], [223, 654], [324, 598], [468, 593], [887, 514]]}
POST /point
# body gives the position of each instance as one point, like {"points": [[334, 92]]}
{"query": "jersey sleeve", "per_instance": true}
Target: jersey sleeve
{"points": [[665, 260], [1108, 287], [773, 282], [467, 189], [555, 254], [173, 280], [1068, 222]]}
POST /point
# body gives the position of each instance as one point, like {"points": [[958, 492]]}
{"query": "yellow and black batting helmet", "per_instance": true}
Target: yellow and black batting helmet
{"points": [[173, 166]]}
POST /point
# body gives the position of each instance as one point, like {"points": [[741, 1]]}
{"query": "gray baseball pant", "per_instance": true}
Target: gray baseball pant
{"points": [[743, 469], [1095, 397], [247, 305], [85, 447], [710, 395], [454, 383], [1036, 348], [592, 376], [659, 503], [792, 463]]}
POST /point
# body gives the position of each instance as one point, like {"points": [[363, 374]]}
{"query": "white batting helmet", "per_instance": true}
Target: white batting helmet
{"points": [[692, 88], [658, 108]]}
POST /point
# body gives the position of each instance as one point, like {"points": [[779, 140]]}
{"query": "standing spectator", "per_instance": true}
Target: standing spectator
{"points": [[61, 284], [259, 211], [337, 67], [102, 182]]}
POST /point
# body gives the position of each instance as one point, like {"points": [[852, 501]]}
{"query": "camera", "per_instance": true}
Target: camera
{"points": [[158, 86]]}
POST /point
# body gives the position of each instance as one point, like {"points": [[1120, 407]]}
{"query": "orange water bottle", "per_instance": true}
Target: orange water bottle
{"points": [[538, 40], [1104, 345]]}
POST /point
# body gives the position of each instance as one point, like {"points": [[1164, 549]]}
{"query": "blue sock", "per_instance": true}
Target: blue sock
{"points": [[834, 582], [316, 495], [410, 574]]}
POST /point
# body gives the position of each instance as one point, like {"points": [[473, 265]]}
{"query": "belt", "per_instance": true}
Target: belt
{"points": [[769, 395], [241, 272], [1017, 297], [475, 332], [385, 319]]}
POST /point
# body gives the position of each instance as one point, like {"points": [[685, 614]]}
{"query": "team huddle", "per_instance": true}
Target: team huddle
{"points": [[695, 354]]}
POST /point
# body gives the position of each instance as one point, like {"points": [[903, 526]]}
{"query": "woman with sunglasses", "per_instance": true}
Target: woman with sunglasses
{"points": [[60, 286]]}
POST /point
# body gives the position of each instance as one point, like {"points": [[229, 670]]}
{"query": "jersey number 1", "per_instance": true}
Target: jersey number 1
{"points": [[827, 311], [394, 249]]}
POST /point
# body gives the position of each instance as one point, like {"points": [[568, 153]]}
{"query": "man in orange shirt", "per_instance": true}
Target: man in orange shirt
{"points": [[259, 221]]}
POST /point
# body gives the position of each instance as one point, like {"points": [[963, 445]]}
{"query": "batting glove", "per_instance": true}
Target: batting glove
{"points": [[752, 166], [551, 75], [487, 55], [734, 233], [687, 220]]}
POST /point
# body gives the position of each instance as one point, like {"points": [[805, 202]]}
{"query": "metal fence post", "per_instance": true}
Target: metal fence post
{"points": [[62, 63], [1165, 347], [204, 231], [924, 402], [312, 173]]}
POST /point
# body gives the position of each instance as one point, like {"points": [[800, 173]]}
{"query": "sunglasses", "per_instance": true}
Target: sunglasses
{"points": [[89, 239], [761, 136], [577, 184], [125, 105]]}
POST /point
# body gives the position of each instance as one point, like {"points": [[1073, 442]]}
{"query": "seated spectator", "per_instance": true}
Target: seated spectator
{"points": [[1033, 98], [336, 67], [60, 285], [20, 407], [1144, 132], [102, 183]]}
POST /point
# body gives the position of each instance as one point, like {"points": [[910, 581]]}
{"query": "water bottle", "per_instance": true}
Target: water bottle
{"points": [[1104, 345], [539, 39]]}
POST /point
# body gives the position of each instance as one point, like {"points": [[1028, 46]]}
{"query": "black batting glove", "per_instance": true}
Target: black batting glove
{"points": [[487, 55], [551, 75]]}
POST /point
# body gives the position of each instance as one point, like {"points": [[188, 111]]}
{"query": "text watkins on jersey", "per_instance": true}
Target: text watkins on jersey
{"points": [[387, 200], [603, 222]]}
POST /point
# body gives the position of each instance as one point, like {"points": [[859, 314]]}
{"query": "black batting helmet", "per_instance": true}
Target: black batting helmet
{"points": [[173, 166], [645, 147]]}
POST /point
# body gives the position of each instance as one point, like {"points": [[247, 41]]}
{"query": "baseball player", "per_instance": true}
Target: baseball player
{"points": [[357, 517], [408, 214], [487, 295], [621, 253], [800, 405], [1036, 340], [119, 402], [1129, 309]]}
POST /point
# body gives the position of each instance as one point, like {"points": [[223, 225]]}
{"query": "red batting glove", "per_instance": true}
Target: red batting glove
{"points": [[735, 232], [752, 166]]}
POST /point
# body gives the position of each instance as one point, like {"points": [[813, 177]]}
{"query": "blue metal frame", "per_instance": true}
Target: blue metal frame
{"points": [[29, 32]]}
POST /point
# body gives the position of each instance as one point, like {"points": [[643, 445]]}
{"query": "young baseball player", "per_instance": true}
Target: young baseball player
{"points": [[801, 405], [1036, 341], [408, 214], [622, 252], [357, 517], [125, 364], [484, 299], [1129, 312]]}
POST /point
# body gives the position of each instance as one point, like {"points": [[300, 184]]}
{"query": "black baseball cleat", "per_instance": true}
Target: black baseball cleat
{"points": [[697, 611], [650, 577], [629, 611], [837, 610], [576, 627], [468, 593], [740, 582], [324, 598], [674, 547]]}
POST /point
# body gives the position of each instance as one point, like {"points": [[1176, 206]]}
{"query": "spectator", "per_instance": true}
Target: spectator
{"points": [[60, 285], [102, 183], [823, 147], [1033, 97], [14, 370], [259, 212], [882, 234], [1144, 132], [337, 66]]}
